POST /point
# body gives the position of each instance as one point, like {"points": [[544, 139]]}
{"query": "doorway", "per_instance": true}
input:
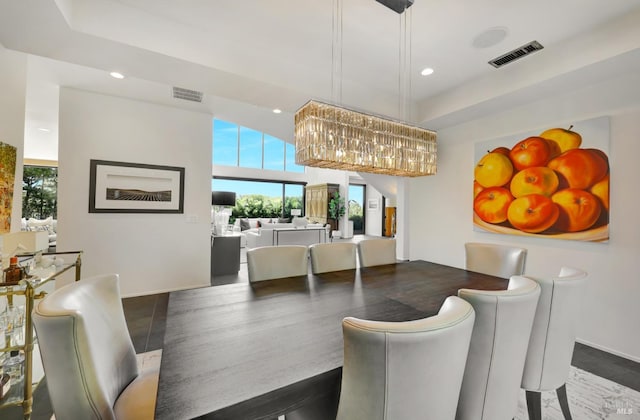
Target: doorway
{"points": [[356, 207]]}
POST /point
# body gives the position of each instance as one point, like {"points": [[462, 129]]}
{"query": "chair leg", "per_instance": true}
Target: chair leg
{"points": [[534, 405], [564, 402]]}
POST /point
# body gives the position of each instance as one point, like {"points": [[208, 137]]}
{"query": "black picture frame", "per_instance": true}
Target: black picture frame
{"points": [[125, 187]]}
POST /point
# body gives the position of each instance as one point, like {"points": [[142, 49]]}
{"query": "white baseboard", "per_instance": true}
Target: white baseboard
{"points": [[608, 350], [160, 291]]}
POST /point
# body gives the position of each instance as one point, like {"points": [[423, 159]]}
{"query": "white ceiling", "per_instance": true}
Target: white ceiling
{"points": [[278, 53]]}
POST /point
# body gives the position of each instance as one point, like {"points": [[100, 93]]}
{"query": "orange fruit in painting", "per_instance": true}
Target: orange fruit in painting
{"points": [[532, 151], [564, 138], [602, 154], [491, 204], [535, 180], [579, 210], [533, 213], [553, 148], [493, 170], [601, 190], [502, 150], [477, 188], [580, 168]]}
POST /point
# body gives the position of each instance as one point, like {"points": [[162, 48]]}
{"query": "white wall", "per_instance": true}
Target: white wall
{"points": [[13, 66], [13, 85], [441, 210], [151, 252], [373, 218]]}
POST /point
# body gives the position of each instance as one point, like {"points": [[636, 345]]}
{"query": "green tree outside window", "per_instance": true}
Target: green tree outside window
{"points": [[39, 192]]}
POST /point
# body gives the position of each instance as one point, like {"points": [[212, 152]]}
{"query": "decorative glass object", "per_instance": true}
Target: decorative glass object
{"points": [[14, 366], [329, 136]]}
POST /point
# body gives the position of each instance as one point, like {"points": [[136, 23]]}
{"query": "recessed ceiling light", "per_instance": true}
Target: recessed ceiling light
{"points": [[277, 111], [46, 130], [427, 71], [116, 75]]}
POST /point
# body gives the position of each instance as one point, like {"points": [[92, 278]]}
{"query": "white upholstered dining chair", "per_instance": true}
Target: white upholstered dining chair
{"points": [[405, 370], [491, 382], [400, 370], [376, 252], [552, 339], [87, 353], [274, 262], [333, 256], [495, 260]]}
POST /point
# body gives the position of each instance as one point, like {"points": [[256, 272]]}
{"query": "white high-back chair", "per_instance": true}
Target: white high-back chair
{"points": [[552, 339], [376, 252], [405, 370], [87, 353], [491, 382], [275, 262], [334, 256], [495, 260]]}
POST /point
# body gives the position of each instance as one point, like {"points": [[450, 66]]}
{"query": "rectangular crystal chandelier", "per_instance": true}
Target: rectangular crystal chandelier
{"points": [[328, 136]]}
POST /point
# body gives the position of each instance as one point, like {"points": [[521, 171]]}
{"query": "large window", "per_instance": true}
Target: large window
{"points": [[250, 148], [225, 143], [39, 192], [234, 145], [273, 153], [290, 162], [267, 199]]}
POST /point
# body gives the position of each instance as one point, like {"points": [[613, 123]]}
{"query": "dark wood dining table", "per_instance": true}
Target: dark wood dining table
{"points": [[256, 351]]}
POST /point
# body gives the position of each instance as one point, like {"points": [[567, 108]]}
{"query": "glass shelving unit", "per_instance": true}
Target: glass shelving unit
{"points": [[20, 336]]}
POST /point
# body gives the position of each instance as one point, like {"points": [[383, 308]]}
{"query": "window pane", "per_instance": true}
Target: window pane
{"points": [[225, 143], [240, 187], [273, 153], [253, 198], [291, 160], [293, 199], [261, 199], [39, 192], [250, 148]]}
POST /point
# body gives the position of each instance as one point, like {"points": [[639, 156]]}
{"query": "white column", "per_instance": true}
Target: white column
{"points": [[403, 204]]}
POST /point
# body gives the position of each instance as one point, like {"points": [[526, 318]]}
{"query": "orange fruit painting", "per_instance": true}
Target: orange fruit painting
{"points": [[552, 183]]}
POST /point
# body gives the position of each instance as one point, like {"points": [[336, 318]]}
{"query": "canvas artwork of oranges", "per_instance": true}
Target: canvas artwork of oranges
{"points": [[547, 184]]}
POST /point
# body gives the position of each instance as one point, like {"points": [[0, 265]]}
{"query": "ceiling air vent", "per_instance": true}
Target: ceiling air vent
{"points": [[187, 94], [507, 58]]}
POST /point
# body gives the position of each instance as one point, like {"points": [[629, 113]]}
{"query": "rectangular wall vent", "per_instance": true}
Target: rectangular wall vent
{"points": [[525, 50], [187, 94]]}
